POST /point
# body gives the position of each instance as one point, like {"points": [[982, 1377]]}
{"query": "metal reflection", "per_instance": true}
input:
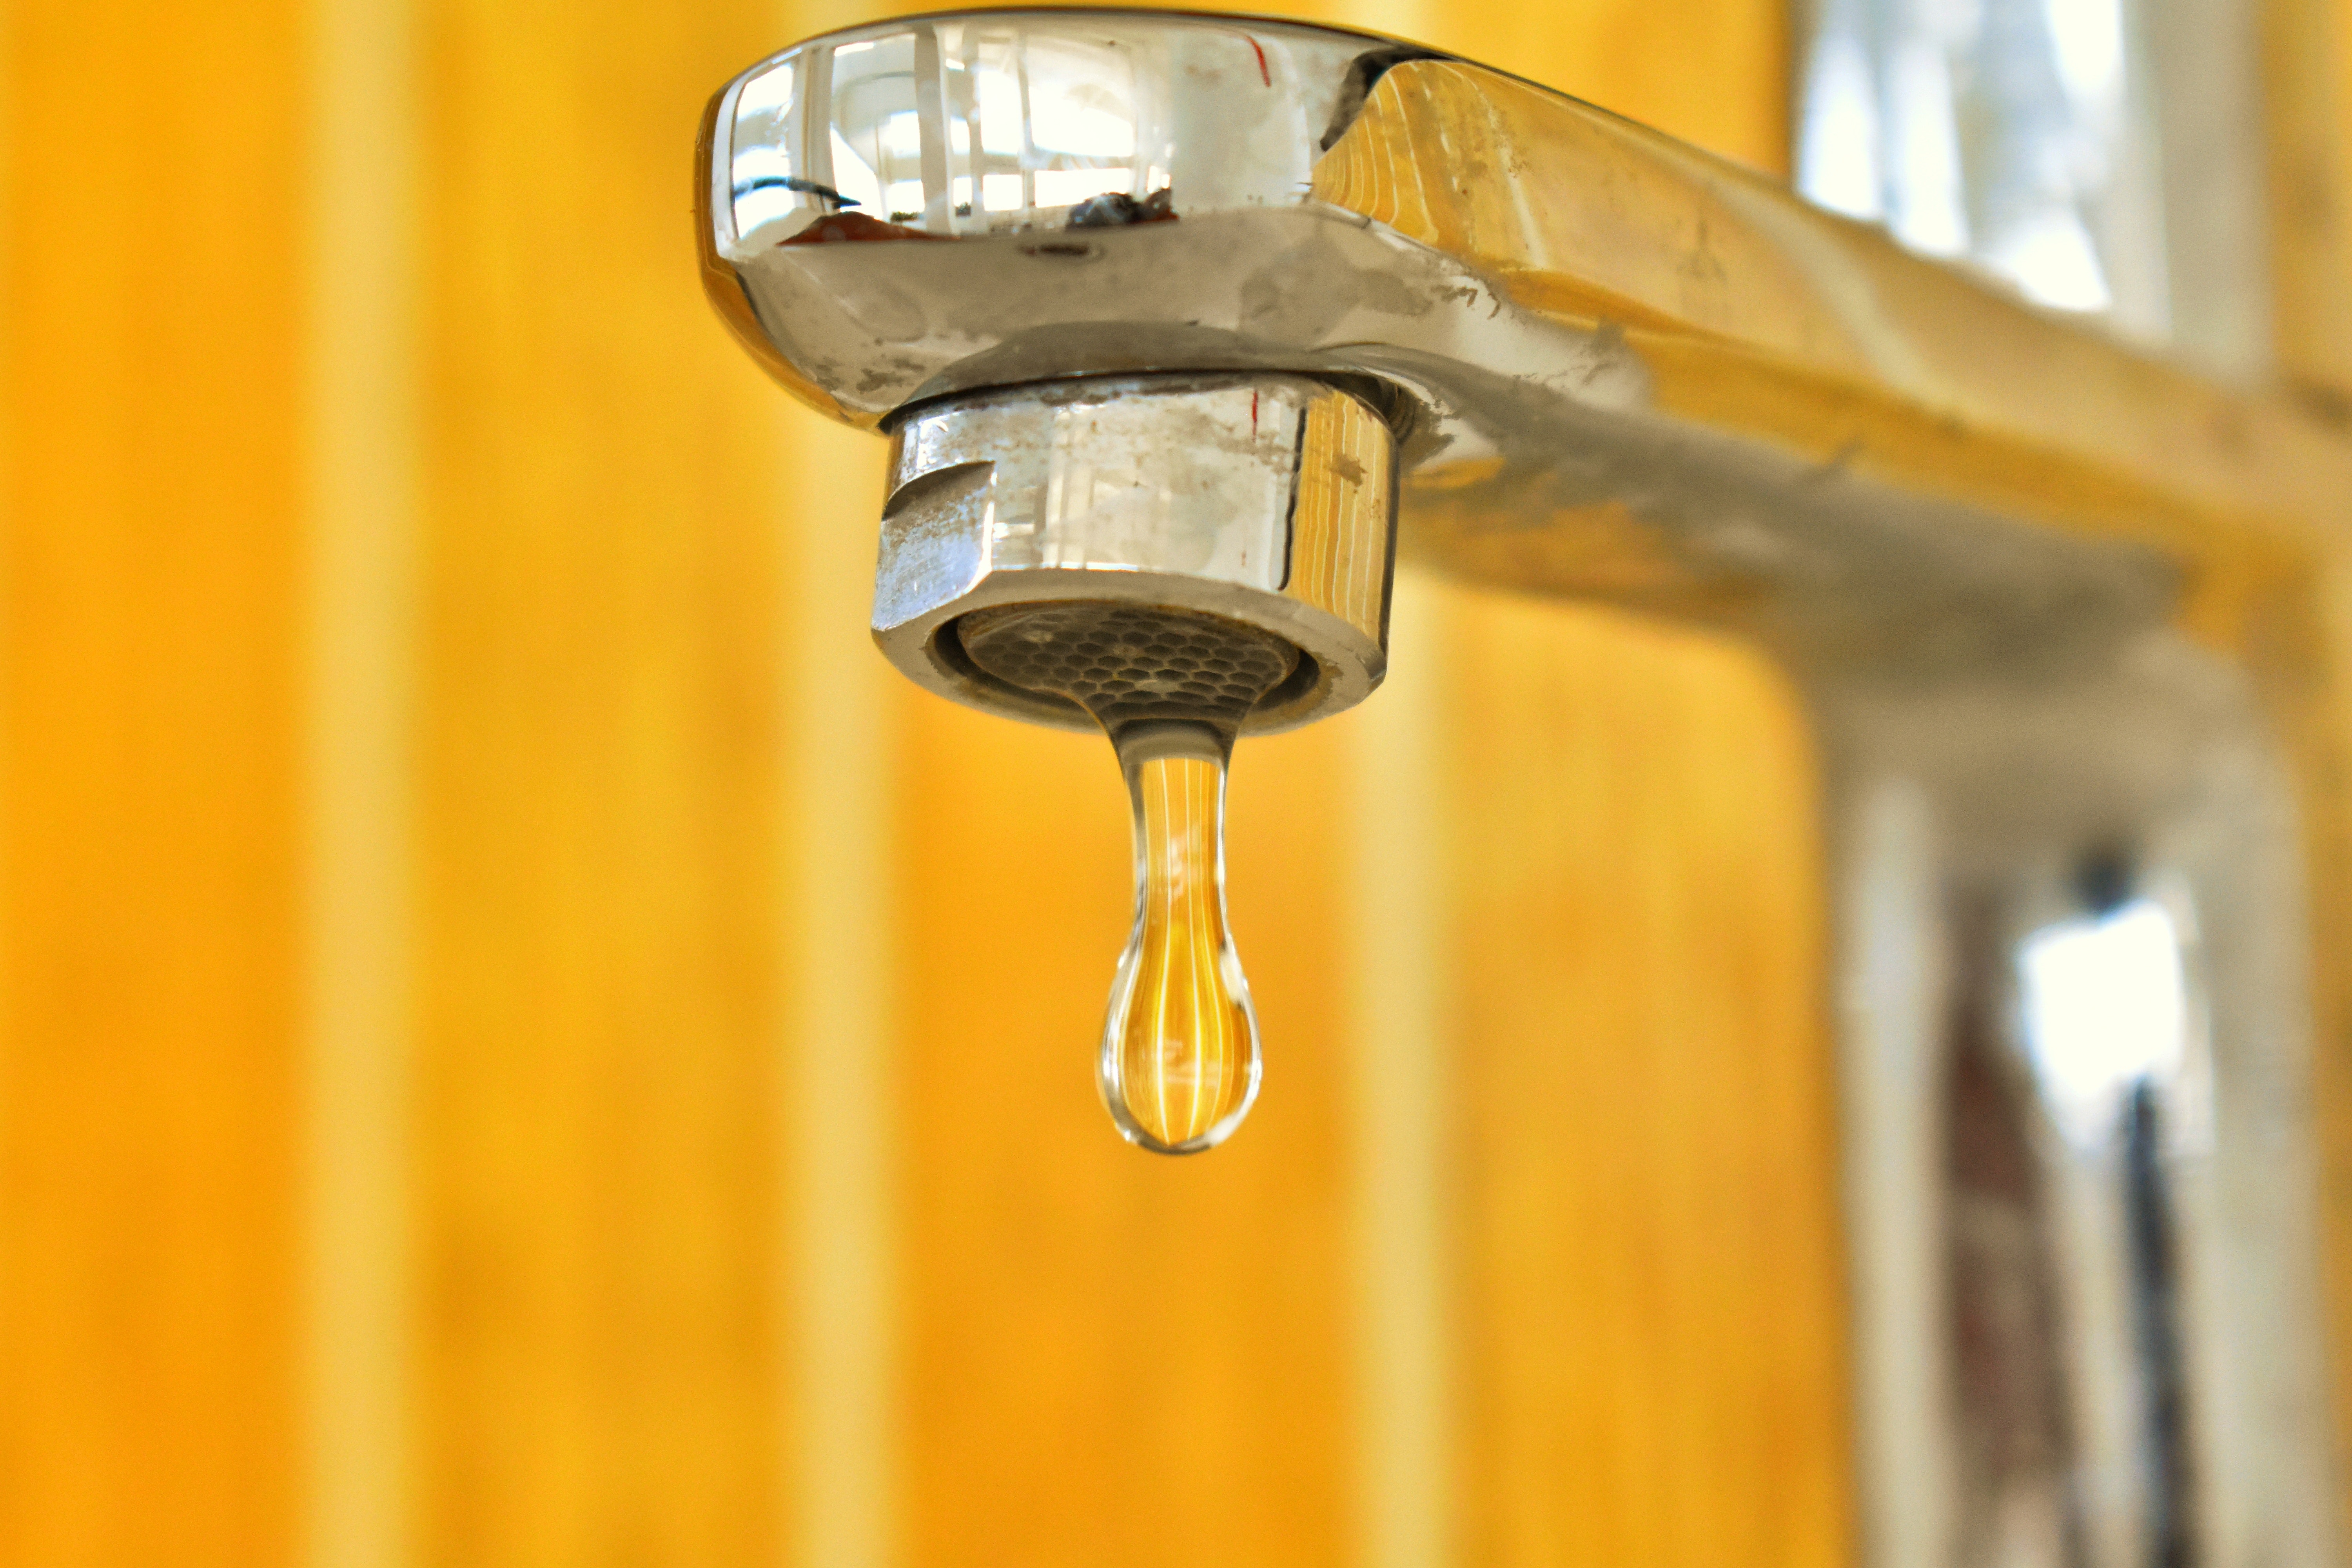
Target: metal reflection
{"points": [[2112, 1048], [2070, 1120], [1010, 124]]}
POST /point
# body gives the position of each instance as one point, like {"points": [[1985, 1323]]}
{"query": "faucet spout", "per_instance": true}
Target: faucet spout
{"points": [[1210, 319]]}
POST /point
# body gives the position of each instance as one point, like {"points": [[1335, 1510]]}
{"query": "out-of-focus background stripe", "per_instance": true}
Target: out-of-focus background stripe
{"points": [[151, 654], [522, 1043], [361, 262]]}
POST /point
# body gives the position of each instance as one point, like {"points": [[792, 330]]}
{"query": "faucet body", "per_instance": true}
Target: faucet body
{"points": [[2070, 624]]}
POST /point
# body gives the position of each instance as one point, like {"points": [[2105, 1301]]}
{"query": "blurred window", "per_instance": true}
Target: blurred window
{"points": [[2105, 1008], [2101, 156]]}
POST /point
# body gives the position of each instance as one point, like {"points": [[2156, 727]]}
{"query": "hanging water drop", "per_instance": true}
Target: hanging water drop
{"points": [[1178, 1062], [1179, 1048]]}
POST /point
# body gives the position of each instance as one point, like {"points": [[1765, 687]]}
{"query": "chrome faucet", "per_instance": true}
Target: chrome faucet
{"points": [[1215, 316]]}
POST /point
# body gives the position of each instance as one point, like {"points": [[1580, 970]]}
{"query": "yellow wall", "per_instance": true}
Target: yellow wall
{"points": [[525, 1045], [150, 694]]}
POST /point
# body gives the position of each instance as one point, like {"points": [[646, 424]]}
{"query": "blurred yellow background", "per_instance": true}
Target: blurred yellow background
{"points": [[525, 1044]]}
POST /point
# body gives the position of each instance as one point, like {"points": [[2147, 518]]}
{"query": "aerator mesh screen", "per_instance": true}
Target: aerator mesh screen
{"points": [[1128, 663]]}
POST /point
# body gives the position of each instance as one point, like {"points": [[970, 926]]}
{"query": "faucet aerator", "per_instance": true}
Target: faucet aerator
{"points": [[1121, 548]]}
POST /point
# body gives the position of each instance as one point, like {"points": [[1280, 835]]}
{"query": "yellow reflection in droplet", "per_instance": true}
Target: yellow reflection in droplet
{"points": [[1180, 1054]]}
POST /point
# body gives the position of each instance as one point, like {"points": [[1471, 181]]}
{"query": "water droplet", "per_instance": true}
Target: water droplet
{"points": [[1179, 1048]]}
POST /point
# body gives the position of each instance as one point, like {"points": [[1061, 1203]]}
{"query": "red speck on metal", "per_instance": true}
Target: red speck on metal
{"points": [[1264, 75]]}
